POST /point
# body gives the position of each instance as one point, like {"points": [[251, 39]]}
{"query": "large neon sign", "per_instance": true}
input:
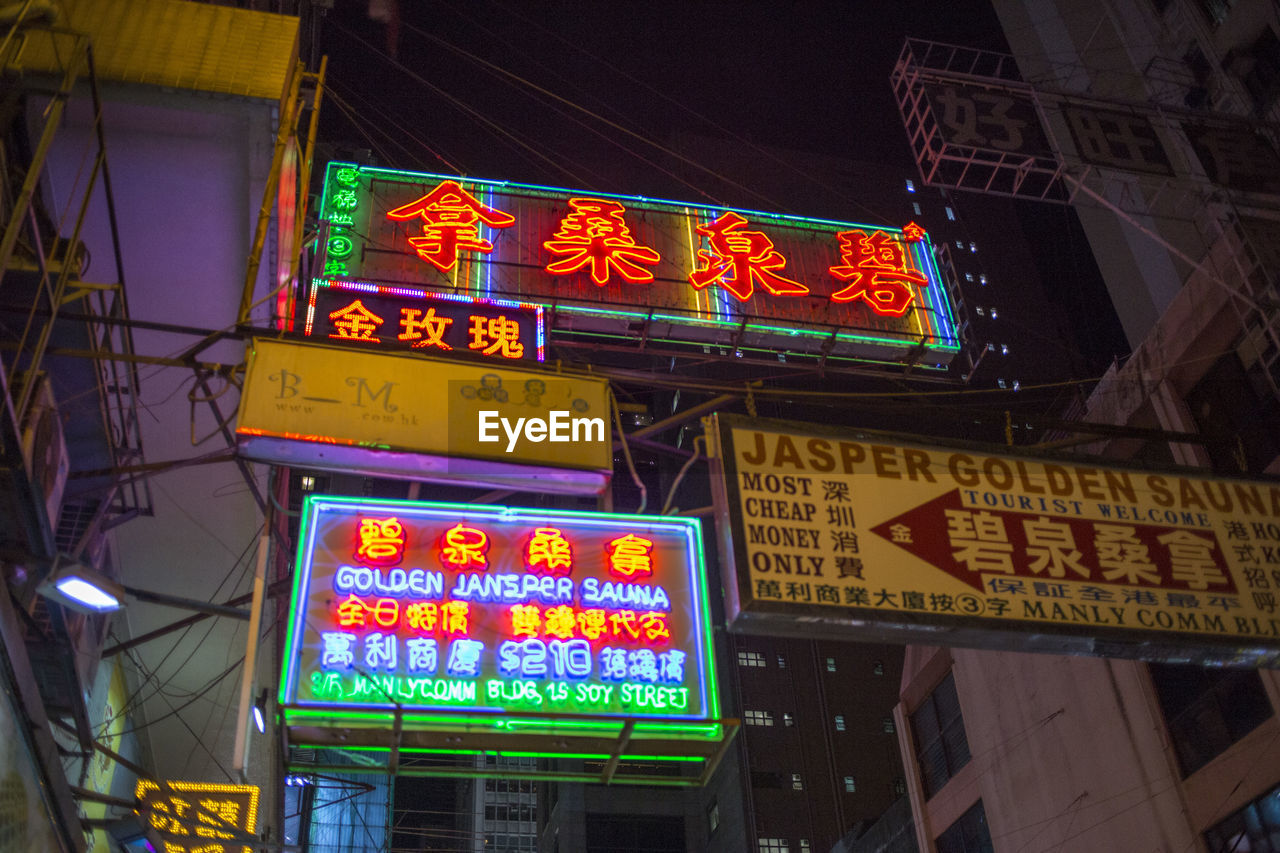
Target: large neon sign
{"points": [[691, 274], [493, 612]]}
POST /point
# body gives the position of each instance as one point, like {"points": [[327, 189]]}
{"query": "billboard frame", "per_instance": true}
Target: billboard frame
{"points": [[850, 623], [428, 741]]}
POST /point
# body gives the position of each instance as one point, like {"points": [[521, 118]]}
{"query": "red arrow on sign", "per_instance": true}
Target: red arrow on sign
{"points": [[922, 532]]}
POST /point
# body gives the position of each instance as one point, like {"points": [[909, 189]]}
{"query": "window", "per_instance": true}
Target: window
{"points": [[750, 659], [1207, 710], [1254, 827], [757, 718], [951, 214], [1001, 383], [980, 311], [831, 664], [797, 784], [839, 722], [915, 207], [1004, 349], [994, 314], [877, 668], [782, 662], [991, 347], [1017, 385], [973, 247], [804, 845], [911, 185], [969, 834], [1262, 78], [982, 279], [788, 720], [850, 785], [887, 725], [899, 785], [941, 745], [307, 483], [959, 244], [968, 276], [775, 845]]}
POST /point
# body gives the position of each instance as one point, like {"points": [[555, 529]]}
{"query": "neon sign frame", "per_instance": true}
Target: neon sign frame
{"points": [[674, 311], [320, 529]]}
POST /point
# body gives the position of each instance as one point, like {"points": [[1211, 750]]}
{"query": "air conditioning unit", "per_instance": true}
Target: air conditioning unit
{"points": [[44, 448]]}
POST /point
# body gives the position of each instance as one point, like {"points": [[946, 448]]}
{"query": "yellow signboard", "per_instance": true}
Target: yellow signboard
{"points": [[101, 768], [435, 419], [199, 817], [946, 545]]}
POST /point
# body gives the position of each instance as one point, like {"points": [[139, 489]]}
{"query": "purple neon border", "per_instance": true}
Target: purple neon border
{"points": [[318, 504]]}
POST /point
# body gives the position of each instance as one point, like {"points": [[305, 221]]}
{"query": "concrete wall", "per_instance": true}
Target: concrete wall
{"points": [[1073, 754]]}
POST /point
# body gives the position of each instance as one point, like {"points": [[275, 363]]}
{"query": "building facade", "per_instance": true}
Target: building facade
{"points": [[1009, 751]]}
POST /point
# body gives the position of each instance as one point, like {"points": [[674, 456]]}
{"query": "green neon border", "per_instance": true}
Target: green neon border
{"points": [[645, 726], [946, 335]]}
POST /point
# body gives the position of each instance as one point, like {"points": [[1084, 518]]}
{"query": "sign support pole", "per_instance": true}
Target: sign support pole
{"points": [[248, 678]]}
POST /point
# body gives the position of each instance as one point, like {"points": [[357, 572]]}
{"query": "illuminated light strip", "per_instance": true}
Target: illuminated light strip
{"points": [[311, 309], [781, 330], [609, 725], [503, 753], [312, 437]]}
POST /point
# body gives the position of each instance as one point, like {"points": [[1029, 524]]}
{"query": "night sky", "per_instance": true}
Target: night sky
{"points": [[809, 77]]}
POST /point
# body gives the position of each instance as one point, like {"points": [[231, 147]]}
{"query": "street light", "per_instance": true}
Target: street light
{"points": [[74, 585]]}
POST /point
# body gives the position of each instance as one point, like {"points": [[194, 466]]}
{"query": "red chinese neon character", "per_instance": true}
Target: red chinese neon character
{"points": [[355, 323], [526, 620], [560, 622], [421, 616], [738, 259], [449, 215], [413, 324], [381, 541], [548, 552], [875, 266], [595, 233], [463, 548], [630, 555], [455, 617], [912, 233], [591, 623], [499, 335]]}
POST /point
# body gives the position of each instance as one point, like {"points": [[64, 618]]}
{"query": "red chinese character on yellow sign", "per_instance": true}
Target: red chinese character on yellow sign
{"points": [[380, 541], [424, 330], [355, 323], [595, 233], [499, 335], [875, 266], [547, 551], [738, 259], [449, 215], [630, 555], [463, 548]]}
